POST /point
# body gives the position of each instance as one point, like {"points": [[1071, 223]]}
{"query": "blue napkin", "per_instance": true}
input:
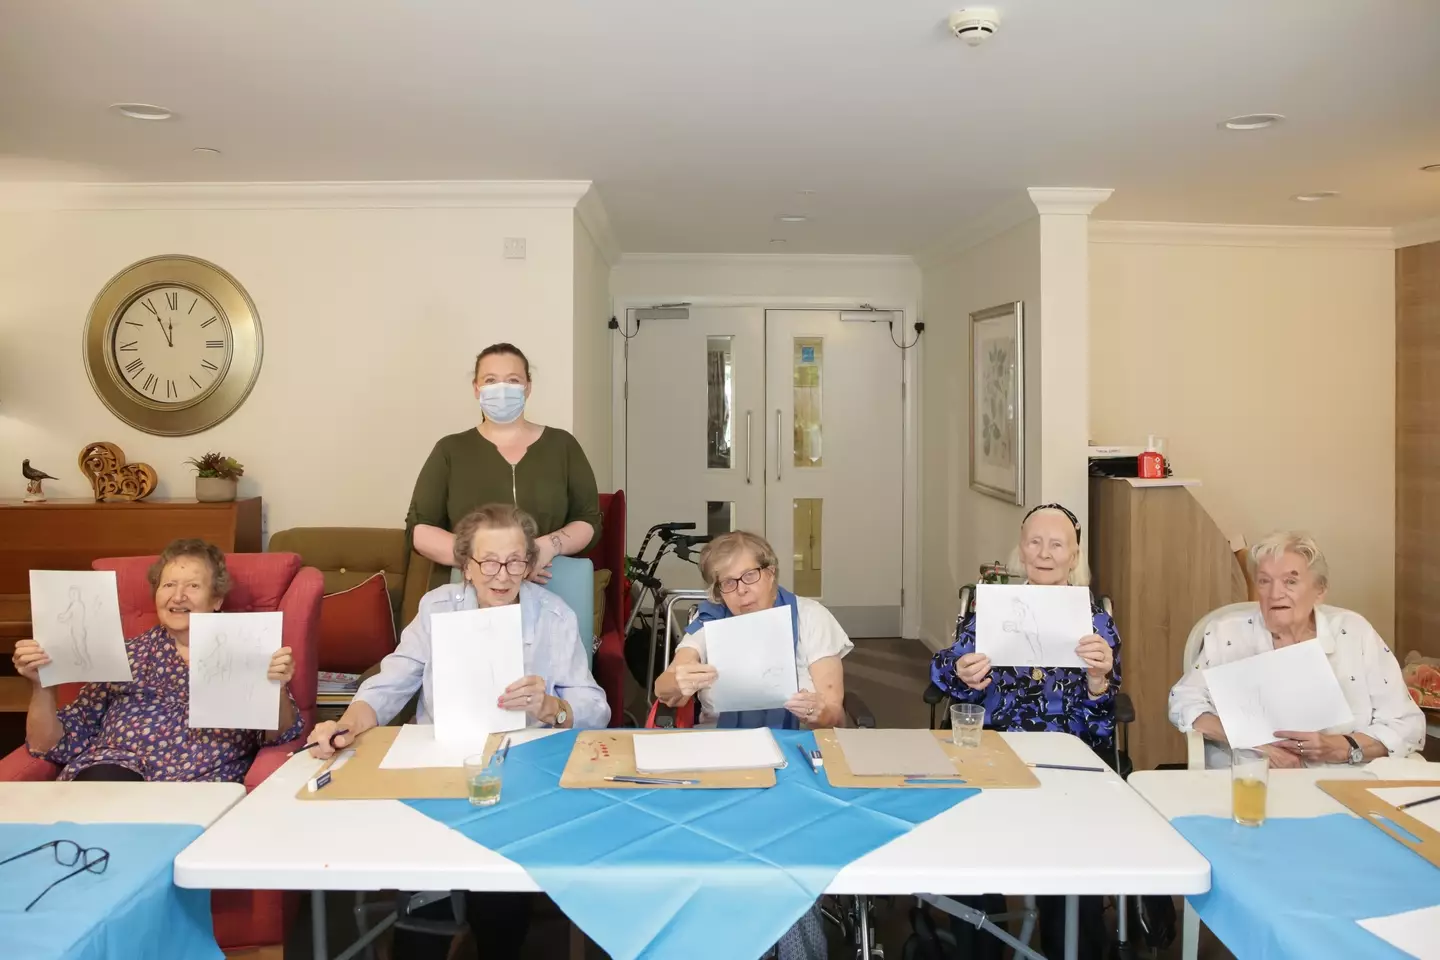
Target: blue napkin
{"points": [[703, 874], [132, 910], [1295, 887]]}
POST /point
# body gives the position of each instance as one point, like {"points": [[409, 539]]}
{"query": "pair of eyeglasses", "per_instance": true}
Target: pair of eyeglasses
{"points": [[749, 578], [68, 853], [490, 568]]}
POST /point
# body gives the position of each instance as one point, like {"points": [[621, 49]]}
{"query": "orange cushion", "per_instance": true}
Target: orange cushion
{"points": [[357, 627]]}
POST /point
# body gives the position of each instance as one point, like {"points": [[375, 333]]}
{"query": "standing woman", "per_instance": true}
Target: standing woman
{"points": [[506, 459]]}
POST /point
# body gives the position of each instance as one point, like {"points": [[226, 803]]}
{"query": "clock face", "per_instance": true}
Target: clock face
{"points": [[171, 345]]}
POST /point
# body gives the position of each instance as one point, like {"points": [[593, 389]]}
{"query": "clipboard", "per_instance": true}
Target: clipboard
{"points": [[361, 778], [1356, 795], [598, 754], [992, 765]]}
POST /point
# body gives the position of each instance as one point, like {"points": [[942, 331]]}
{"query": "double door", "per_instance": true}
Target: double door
{"points": [[786, 423]]}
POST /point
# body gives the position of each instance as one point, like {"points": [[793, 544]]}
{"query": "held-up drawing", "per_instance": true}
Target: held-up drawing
{"points": [[476, 655], [754, 660], [1292, 688], [1025, 625], [229, 665], [76, 618]]}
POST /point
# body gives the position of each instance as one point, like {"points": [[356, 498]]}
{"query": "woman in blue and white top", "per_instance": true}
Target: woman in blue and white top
{"points": [[495, 549], [741, 574]]}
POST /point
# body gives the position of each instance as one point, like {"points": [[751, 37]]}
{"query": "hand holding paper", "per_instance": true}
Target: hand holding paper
{"points": [[76, 617], [1292, 688], [1031, 626], [476, 654]]}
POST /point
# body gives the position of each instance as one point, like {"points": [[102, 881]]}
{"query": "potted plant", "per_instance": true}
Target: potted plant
{"points": [[216, 476]]}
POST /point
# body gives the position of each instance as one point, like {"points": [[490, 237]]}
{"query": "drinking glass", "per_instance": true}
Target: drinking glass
{"points": [[967, 721], [1249, 775], [482, 780]]}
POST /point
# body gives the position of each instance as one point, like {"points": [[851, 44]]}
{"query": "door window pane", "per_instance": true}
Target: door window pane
{"points": [[809, 356], [720, 396], [808, 546], [719, 517]]}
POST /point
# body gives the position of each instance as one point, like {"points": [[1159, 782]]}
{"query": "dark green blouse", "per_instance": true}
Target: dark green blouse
{"points": [[553, 483]]}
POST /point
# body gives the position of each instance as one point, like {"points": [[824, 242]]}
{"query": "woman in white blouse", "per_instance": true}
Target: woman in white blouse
{"points": [[1291, 576]]}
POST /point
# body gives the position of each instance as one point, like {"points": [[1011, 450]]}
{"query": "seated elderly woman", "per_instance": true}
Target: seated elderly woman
{"points": [[740, 571], [140, 730], [1291, 576], [495, 550], [1066, 699]]}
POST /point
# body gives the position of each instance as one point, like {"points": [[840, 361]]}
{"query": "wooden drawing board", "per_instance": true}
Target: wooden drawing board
{"points": [[598, 754], [361, 778], [992, 765], [1356, 795]]}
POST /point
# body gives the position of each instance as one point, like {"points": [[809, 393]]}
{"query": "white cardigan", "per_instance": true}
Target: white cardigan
{"points": [[1368, 672]]}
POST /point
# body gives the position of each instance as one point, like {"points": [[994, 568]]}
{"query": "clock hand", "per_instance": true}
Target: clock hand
{"points": [[168, 339]]}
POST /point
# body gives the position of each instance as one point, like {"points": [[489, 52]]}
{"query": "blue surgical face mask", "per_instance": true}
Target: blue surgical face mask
{"points": [[502, 402]]}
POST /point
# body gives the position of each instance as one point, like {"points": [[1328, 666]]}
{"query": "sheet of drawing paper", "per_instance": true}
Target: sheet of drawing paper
{"points": [[476, 655], [754, 660], [75, 615], [1026, 625], [1426, 813], [1417, 932], [1292, 688], [229, 662]]}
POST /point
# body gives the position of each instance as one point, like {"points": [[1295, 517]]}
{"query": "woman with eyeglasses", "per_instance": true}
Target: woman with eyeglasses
{"points": [[740, 571], [495, 549]]}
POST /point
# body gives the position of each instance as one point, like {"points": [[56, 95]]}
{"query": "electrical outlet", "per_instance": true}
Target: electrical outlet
{"points": [[514, 248]]}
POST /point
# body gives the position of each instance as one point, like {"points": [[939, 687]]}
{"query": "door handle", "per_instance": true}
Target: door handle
{"points": [[748, 435], [778, 442]]}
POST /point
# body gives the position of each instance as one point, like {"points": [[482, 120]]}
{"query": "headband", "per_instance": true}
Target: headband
{"points": [[1074, 521]]}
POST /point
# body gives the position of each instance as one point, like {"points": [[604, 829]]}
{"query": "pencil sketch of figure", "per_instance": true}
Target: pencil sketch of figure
{"points": [[217, 662], [74, 615], [1022, 622]]}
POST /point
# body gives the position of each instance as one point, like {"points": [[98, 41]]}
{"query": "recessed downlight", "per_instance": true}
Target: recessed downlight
{"points": [[1253, 121], [1315, 197], [141, 111], [793, 218], [208, 152], [778, 242], [1431, 168]]}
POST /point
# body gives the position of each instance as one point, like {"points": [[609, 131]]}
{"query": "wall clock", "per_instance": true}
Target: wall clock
{"points": [[173, 345]]}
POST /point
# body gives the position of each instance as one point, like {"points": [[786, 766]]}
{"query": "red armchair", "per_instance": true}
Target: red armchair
{"points": [[259, 582], [609, 554]]}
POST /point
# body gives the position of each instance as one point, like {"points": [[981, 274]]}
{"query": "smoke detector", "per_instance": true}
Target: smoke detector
{"points": [[975, 25]]}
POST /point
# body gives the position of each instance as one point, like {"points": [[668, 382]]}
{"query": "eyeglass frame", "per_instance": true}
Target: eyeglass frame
{"points": [[81, 857], [736, 581], [507, 564]]}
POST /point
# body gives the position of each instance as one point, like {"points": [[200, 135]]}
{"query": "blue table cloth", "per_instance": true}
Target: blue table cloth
{"points": [[132, 911], [699, 874], [1295, 887]]}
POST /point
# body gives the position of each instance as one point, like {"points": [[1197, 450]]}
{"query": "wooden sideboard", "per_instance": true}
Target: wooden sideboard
{"points": [[69, 534]]}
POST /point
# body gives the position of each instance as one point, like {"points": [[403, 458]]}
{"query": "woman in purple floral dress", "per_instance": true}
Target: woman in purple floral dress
{"points": [[140, 730]]}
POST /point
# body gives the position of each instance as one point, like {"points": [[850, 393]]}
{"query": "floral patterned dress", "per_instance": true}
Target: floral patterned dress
{"points": [[144, 725]]}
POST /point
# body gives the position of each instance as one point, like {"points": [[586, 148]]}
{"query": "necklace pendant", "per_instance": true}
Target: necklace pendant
{"points": [[1037, 674]]}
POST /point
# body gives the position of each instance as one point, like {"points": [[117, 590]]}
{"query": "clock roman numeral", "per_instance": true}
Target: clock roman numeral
{"points": [[170, 390], [210, 321], [135, 323], [197, 383], [151, 381], [130, 346], [208, 365], [172, 299], [214, 344], [134, 367], [150, 306], [192, 306]]}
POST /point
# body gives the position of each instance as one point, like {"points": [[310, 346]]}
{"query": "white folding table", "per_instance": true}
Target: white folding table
{"points": [[99, 802], [1079, 834]]}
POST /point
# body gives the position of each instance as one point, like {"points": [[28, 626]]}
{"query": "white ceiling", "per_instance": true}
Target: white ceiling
{"points": [[701, 122]]}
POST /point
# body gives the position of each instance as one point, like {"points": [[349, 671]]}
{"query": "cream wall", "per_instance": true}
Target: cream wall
{"points": [[1270, 370], [882, 281], [592, 354], [371, 320], [961, 528]]}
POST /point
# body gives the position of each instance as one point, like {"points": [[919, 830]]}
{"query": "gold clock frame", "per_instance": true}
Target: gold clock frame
{"points": [[234, 381]]}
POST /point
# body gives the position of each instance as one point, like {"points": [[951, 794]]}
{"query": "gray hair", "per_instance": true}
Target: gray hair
{"points": [[1281, 542], [727, 547], [207, 553], [493, 516]]}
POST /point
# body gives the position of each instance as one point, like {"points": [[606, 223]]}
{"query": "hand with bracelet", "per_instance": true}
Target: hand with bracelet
{"points": [[528, 694]]}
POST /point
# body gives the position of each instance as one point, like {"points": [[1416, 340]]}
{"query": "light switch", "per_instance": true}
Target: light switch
{"points": [[514, 248]]}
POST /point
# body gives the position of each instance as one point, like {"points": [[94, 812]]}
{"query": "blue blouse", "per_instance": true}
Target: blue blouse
{"points": [[1058, 700]]}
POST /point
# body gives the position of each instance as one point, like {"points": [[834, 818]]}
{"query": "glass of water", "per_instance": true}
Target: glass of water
{"points": [[967, 720], [482, 780]]}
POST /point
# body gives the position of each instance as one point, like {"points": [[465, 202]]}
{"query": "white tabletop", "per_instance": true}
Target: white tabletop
{"points": [[50, 802], [1079, 833]]}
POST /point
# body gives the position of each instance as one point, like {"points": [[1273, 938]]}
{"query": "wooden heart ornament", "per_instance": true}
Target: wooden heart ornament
{"points": [[111, 477]]}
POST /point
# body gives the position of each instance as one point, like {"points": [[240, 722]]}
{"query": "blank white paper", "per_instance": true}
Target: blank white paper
{"points": [[1426, 813], [1417, 932], [476, 654], [707, 750], [754, 660], [75, 615], [229, 659], [415, 746], [1027, 625], [1292, 688]]}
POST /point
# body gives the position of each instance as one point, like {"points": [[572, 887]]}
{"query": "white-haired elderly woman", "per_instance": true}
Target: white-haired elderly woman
{"points": [[1291, 576], [495, 548]]}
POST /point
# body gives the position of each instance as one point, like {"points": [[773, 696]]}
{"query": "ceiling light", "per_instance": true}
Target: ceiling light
{"points": [[792, 218], [1317, 195], [807, 193], [205, 151], [1253, 121], [1431, 168], [778, 242], [142, 111]]}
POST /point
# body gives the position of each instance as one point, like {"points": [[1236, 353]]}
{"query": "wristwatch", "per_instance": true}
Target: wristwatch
{"points": [[561, 716], [1357, 754]]}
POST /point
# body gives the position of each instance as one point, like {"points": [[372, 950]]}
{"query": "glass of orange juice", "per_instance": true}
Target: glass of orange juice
{"points": [[1249, 773]]}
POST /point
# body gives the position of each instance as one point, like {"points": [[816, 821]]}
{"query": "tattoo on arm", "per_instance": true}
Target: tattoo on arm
{"points": [[558, 543]]}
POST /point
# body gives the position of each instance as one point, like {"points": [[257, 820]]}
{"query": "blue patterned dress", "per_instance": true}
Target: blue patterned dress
{"points": [[1019, 698]]}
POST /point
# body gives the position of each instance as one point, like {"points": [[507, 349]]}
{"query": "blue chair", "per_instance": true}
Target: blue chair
{"points": [[572, 579]]}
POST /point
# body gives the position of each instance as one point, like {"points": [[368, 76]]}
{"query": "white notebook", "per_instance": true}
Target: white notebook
{"points": [[707, 750]]}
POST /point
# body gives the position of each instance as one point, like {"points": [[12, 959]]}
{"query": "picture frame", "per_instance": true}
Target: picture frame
{"points": [[997, 402]]}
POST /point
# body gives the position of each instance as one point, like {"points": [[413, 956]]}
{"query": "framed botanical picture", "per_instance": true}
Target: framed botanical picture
{"points": [[997, 402]]}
